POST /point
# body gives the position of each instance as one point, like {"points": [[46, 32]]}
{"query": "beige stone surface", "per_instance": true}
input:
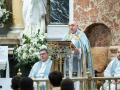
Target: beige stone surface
{"points": [[17, 13], [100, 58]]}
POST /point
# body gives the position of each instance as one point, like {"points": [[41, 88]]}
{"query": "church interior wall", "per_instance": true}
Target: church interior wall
{"points": [[107, 12]]}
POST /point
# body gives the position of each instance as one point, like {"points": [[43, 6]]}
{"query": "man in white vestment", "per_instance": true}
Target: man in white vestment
{"points": [[42, 68], [34, 12], [80, 61], [82, 53], [113, 70]]}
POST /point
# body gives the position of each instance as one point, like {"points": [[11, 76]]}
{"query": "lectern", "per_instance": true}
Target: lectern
{"points": [[67, 61], [59, 51]]}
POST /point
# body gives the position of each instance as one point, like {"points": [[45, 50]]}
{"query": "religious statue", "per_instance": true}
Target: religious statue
{"points": [[34, 12]]}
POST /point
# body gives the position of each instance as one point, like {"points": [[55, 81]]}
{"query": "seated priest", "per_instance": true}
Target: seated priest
{"points": [[113, 70], [42, 68]]}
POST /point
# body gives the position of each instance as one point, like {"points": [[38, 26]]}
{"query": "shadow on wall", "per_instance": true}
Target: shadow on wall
{"points": [[99, 35]]}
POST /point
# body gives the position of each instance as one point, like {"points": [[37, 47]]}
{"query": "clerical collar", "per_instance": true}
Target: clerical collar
{"points": [[44, 60]]}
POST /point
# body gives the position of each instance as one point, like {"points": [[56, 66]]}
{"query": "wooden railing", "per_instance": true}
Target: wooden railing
{"points": [[86, 83], [39, 81], [108, 79]]}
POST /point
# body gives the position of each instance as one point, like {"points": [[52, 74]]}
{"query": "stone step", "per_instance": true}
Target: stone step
{"points": [[9, 37], [9, 40]]}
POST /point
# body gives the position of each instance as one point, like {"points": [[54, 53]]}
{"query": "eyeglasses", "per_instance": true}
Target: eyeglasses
{"points": [[42, 54]]}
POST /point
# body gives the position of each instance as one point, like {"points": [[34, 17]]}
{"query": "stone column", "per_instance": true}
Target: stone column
{"points": [[17, 21], [17, 14]]}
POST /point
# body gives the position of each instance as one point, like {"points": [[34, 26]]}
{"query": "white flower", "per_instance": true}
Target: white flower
{"points": [[4, 14], [24, 56], [32, 49], [43, 46]]}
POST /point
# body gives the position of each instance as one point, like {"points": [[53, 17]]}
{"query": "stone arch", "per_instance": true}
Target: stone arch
{"points": [[98, 34]]}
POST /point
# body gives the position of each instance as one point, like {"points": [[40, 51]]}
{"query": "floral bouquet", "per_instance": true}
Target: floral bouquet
{"points": [[27, 54], [4, 14]]}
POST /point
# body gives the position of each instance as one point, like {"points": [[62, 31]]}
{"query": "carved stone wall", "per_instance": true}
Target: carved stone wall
{"points": [[107, 12]]}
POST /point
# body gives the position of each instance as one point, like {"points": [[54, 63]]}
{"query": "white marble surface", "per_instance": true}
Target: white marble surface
{"points": [[5, 83], [4, 64], [56, 32]]}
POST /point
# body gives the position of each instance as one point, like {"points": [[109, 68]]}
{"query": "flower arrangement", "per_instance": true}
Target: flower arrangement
{"points": [[27, 54], [4, 13]]}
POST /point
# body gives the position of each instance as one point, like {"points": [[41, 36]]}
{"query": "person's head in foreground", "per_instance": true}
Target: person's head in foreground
{"points": [[15, 82], [26, 84], [67, 84], [55, 78]]}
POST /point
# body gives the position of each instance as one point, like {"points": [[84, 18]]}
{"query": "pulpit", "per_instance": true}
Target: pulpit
{"points": [[4, 64], [60, 51]]}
